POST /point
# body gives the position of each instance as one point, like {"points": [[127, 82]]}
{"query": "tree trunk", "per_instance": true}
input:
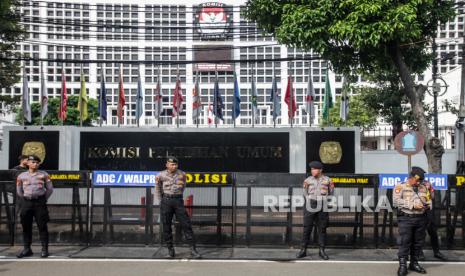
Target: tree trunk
{"points": [[433, 148]]}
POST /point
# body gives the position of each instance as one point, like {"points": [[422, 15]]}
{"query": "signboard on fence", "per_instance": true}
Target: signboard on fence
{"points": [[355, 180], [388, 181], [125, 179], [147, 179]]}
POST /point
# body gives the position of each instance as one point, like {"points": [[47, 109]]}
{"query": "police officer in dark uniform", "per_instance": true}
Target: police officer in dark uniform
{"points": [[431, 227], [33, 188], [317, 187], [413, 199], [169, 189]]}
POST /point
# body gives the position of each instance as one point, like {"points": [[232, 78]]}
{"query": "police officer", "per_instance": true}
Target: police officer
{"points": [[431, 226], [169, 189], [317, 188], [413, 199], [33, 188], [22, 166]]}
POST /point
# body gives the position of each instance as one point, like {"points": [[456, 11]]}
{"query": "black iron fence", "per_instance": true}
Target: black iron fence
{"points": [[250, 209]]}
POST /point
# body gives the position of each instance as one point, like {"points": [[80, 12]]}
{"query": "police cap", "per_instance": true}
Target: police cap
{"points": [[316, 165], [418, 173], [171, 159], [33, 158]]}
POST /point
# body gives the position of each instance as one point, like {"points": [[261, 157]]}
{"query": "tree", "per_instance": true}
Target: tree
{"points": [[8, 103], [10, 33], [72, 113], [359, 114], [364, 36]]}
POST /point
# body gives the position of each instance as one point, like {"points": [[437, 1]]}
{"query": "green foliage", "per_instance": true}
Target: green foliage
{"points": [[10, 33], [355, 35], [359, 114], [9, 103], [72, 113]]}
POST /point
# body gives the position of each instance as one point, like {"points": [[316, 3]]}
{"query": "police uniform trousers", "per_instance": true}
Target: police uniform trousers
{"points": [[316, 217], [412, 233], [174, 205], [34, 209]]}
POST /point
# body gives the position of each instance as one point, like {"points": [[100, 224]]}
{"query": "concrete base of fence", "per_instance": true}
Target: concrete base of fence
{"points": [[213, 253]]}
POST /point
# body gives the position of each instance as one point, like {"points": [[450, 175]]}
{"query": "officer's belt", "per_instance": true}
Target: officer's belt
{"points": [[34, 197], [403, 214], [172, 196]]}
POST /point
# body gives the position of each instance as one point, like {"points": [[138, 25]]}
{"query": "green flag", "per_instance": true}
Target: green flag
{"points": [[328, 100], [83, 98]]}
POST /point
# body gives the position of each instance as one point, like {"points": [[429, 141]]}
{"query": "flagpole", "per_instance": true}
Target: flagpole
{"points": [[309, 80], [177, 102], [42, 93], [252, 90], [291, 100], [119, 109], [197, 90], [234, 97], [22, 102], [101, 97], [272, 91], [80, 100], [159, 99], [215, 103], [61, 94]]}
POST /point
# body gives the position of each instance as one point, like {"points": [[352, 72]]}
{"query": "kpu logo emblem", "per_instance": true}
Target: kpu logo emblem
{"points": [[213, 20]]}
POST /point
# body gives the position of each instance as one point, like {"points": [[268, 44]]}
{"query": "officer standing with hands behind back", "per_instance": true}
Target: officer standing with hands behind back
{"points": [[413, 199], [33, 188], [169, 189], [317, 187]]}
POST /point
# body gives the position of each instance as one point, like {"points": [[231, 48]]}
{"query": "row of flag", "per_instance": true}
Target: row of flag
{"points": [[216, 108]]}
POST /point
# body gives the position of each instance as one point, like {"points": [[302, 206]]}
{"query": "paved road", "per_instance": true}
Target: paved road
{"points": [[119, 267]]}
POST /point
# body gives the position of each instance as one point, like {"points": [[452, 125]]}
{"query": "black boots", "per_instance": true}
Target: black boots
{"points": [[44, 252], [415, 266], [402, 271], [440, 256], [194, 253], [171, 252], [302, 253], [26, 252], [322, 254]]}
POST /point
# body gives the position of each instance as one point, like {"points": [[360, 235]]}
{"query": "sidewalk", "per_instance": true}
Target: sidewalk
{"points": [[212, 253]]}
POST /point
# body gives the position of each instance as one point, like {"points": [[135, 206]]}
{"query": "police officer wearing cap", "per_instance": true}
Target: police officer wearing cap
{"points": [[33, 188], [413, 199], [169, 189], [431, 227], [317, 187]]}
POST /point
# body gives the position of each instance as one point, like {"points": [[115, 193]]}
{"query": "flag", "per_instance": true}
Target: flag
{"points": [[275, 99], [177, 98], [43, 94], [289, 98], [254, 101], [328, 100], [237, 99], [210, 114], [196, 103], [139, 98], [344, 109], [102, 103], [310, 99], [157, 99], [217, 101], [26, 103], [121, 97], [64, 97], [82, 103]]}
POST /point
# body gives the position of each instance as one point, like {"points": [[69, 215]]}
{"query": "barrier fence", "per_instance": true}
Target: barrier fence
{"points": [[226, 209]]}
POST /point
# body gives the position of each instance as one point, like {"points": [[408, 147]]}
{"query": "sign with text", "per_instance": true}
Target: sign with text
{"points": [[127, 179], [388, 181], [196, 151]]}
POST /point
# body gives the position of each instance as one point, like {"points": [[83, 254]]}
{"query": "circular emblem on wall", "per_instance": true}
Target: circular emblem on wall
{"points": [[330, 152]]}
